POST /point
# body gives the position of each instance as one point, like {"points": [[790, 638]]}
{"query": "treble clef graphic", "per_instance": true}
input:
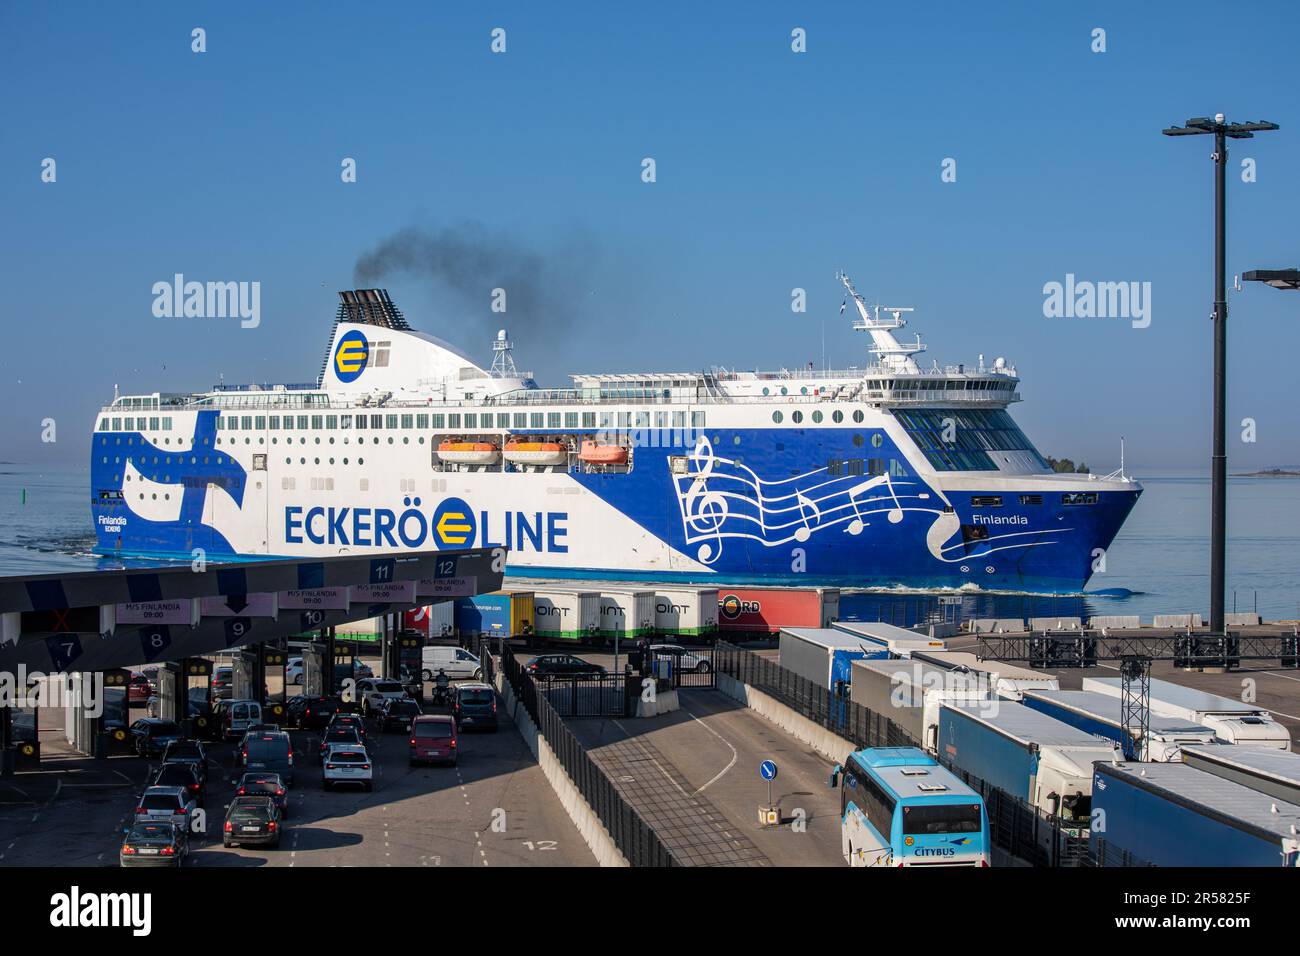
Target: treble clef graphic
{"points": [[706, 511]]}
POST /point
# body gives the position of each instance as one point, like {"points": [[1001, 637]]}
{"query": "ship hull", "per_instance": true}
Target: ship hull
{"points": [[764, 505]]}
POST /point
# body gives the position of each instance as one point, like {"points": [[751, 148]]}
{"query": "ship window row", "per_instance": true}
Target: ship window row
{"points": [[151, 423], [872, 467], [466, 420], [817, 417]]}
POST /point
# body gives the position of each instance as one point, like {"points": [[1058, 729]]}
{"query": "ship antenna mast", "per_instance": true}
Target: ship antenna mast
{"points": [[503, 362], [893, 354]]}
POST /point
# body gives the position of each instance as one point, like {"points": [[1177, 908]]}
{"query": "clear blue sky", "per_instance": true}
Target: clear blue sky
{"points": [[774, 169]]}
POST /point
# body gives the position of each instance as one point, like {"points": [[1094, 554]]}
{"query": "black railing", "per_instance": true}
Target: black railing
{"points": [[1015, 826], [635, 839], [863, 727]]}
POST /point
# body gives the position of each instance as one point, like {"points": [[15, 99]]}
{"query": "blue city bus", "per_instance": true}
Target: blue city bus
{"points": [[899, 807]]}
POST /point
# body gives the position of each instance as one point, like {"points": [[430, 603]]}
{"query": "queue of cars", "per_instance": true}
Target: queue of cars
{"points": [[265, 760]]}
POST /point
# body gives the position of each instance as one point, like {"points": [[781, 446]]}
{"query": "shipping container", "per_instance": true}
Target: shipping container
{"points": [[1008, 680], [507, 613], [1275, 772], [823, 655], [900, 641], [366, 629], [1098, 714], [626, 613], [1233, 721], [432, 620], [770, 609], [1026, 753], [567, 615], [686, 612], [909, 692], [1171, 814]]}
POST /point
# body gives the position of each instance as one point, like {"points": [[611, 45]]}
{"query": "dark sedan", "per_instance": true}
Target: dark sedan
{"points": [[398, 714], [180, 775], [258, 783], [563, 665], [153, 843], [252, 820], [151, 735]]}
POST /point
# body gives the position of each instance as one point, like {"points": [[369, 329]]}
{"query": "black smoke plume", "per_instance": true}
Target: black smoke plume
{"points": [[545, 292]]}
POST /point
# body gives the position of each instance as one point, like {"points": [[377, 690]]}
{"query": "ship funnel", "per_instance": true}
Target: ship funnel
{"points": [[371, 307]]}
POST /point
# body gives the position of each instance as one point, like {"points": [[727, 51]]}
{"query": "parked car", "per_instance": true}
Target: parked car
{"points": [[344, 719], [474, 706], [139, 689], [151, 735], [346, 764], [562, 665], [397, 714], [458, 663], [313, 712], [171, 804], [251, 820], [270, 751], [347, 736], [683, 660], [433, 738], [372, 693], [293, 671], [188, 752], [154, 843], [222, 683], [259, 783], [180, 775]]}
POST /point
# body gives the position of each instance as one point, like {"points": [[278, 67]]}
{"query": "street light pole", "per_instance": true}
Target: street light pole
{"points": [[1219, 456], [1222, 132]]}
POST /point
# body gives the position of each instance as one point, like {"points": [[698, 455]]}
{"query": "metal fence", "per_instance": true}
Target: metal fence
{"points": [[635, 839], [865, 728], [1015, 826]]}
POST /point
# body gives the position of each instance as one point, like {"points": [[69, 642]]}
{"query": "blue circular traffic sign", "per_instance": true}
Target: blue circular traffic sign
{"points": [[767, 770]]}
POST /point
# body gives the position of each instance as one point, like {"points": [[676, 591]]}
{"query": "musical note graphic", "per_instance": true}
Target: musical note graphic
{"points": [[722, 499]]}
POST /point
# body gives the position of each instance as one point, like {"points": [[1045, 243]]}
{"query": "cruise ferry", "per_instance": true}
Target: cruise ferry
{"points": [[890, 474]]}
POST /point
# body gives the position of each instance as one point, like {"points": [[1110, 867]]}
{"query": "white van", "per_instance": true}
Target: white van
{"points": [[456, 661], [236, 716]]}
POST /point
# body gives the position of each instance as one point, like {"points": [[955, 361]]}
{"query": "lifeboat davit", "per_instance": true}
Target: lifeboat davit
{"points": [[597, 454], [468, 452], [536, 453]]}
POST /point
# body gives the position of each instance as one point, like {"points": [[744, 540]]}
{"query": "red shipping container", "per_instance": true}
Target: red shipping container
{"points": [[416, 619], [770, 609]]}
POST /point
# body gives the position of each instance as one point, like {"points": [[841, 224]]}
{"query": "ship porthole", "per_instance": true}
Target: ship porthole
{"points": [[776, 416], [837, 416], [858, 416]]}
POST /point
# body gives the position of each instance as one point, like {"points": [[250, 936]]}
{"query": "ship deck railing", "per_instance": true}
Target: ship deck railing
{"points": [[271, 401]]}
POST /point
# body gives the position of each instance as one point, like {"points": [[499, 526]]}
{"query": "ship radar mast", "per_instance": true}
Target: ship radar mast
{"points": [[503, 362], [894, 355]]}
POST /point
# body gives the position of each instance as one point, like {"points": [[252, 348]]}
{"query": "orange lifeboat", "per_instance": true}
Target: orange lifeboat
{"points": [[595, 453], [536, 453], [468, 452]]}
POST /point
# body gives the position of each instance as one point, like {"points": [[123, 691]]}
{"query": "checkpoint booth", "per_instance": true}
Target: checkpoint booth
{"points": [[87, 629]]}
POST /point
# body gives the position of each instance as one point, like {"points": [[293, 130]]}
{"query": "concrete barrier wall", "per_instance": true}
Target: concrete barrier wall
{"points": [[1055, 623], [1240, 619], [1115, 620], [1177, 620], [830, 745], [993, 625], [584, 818]]}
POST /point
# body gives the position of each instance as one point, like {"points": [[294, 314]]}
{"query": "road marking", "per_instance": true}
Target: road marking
{"points": [[734, 755], [667, 776]]}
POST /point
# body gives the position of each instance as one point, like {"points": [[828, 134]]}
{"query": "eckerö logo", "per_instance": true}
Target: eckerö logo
{"points": [[453, 523]]}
